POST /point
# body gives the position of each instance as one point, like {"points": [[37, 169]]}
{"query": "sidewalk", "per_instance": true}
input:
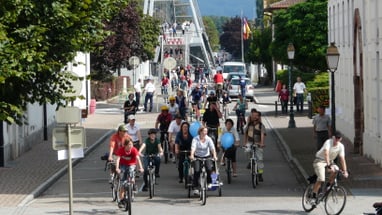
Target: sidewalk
{"points": [[300, 148]]}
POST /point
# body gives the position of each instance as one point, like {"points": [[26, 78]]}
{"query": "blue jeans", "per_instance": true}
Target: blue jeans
{"points": [[300, 101], [149, 97]]}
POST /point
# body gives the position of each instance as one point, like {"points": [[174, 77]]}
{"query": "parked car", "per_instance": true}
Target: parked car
{"points": [[234, 88], [232, 75]]}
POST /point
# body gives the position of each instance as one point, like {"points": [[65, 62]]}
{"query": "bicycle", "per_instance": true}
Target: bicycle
{"points": [[378, 210], [186, 171], [114, 180], [128, 187], [254, 168], [203, 180], [228, 169], [212, 134], [240, 121], [334, 197], [151, 175], [165, 145]]}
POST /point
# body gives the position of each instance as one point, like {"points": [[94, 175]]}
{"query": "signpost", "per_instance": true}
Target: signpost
{"points": [[67, 137], [134, 61]]}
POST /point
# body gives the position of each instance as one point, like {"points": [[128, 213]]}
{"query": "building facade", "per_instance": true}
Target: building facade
{"points": [[354, 26]]}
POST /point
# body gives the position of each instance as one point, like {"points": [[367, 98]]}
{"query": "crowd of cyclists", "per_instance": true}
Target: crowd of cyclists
{"points": [[128, 148]]}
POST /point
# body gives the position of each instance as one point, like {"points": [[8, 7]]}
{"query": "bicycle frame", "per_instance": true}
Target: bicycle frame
{"points": [[186, 169], [151, 175], [127, 185]]}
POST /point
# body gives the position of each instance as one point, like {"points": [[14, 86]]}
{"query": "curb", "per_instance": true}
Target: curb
{"points": [[46, 184]]}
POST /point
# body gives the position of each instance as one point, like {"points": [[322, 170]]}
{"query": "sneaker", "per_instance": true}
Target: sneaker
{"points": [[144, 189], [261, 178], [196, 192]]}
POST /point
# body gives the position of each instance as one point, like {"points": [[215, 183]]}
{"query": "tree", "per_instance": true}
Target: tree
{"points": [[230, 40], [132, 34], [212, 32], [304, 25], [37, 40]]}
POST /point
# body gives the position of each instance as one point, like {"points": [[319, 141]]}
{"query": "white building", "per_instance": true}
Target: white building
{"points": [[355, 27]]}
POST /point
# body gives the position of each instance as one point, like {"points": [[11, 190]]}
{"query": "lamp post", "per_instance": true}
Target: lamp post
{"points": [[332, 58], [290, 50]]}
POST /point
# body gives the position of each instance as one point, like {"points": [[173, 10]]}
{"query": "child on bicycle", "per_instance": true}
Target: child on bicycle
{"points": [[240, 108], [153, 147], [230, 152], [127, 160], [324, 161]]}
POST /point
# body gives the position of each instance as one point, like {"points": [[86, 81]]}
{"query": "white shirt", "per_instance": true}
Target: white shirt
{"points": [[173, 109], [138, 87], [202, 149], [133, 131], [334, 151], [149, 88], [299, 87], [174, 128]]}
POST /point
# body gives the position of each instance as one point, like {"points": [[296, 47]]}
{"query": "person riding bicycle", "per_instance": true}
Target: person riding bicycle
{"points": [[324, 161], [211, 119], [173, 107], [201, 147], [225, 98], [219, 81], [254, 134], [117, 140], [163, 121], [130, 107], [151, 146], [127, 160], [183, 142], [230, 152], [134, 131], [180, 99], [173, 129], [196, 96], [212, 98], [240, 108]]}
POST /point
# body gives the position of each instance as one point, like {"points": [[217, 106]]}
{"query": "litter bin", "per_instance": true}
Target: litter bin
{"points": [[92, 106]]}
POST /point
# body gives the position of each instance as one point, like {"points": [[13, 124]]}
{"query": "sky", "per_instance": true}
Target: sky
{"points": [[230, 8]]}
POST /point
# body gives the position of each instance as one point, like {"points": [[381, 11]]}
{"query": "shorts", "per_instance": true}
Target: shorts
{"points": [[319, 167], [127, 170]]}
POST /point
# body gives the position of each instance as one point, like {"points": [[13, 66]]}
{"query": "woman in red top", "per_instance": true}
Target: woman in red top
{"points": [[127, 159], [117, 140], [284, 97]]}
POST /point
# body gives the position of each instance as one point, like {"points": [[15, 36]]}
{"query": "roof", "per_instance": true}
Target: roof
{"points": [[284, 4]]}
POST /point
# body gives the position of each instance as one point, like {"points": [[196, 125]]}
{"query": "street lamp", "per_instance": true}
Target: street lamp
{"points": [[332, 58], [290, 50]]}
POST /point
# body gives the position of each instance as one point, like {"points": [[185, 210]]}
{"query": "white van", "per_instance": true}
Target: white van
{"points": [[231, 66]]}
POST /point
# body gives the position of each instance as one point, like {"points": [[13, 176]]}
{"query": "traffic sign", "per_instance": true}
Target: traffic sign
{"points": [[169, 63], [60, 138], [134, 61]]}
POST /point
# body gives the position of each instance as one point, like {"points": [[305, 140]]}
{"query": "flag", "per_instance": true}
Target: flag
{"points": [[246, 29]]}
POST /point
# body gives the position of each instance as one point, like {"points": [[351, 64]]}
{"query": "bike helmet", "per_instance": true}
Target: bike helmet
{"points": [[164, 108], [172, 98]]}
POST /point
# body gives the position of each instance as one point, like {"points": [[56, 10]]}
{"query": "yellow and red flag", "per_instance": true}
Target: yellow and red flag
{"points": [[246, 29]]}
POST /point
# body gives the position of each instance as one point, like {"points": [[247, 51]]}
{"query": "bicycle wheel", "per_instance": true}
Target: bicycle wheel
{"points": [[149, 181], [114, 188], [165, 151], [229, 170], [335, 200], [185, 174], [203, 189], [254, 173], [128, 198], [307, 199]]}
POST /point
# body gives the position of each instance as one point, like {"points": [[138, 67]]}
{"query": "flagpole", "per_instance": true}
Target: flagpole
{"points": [[242, 39]]}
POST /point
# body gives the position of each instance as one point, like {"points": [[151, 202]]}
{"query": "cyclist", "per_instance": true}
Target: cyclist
{"points": [[173, 129], [163, 121], [134, 131], [153, 147], [211, 99], [243, 83], [230, 152], [201, 147], [240, 108], [117, 140], [211, 118], [130, 107], [180, 99], [254, 134], [196, 96], [219, 80], [173, 107], [183, 142], [127, 159], [164, 85], [324, 161]]}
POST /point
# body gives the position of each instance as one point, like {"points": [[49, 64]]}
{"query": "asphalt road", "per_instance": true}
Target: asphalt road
{"points": [[280, 193]]}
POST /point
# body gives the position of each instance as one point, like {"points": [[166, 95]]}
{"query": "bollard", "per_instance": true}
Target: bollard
{"points": [[276, 111]]}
